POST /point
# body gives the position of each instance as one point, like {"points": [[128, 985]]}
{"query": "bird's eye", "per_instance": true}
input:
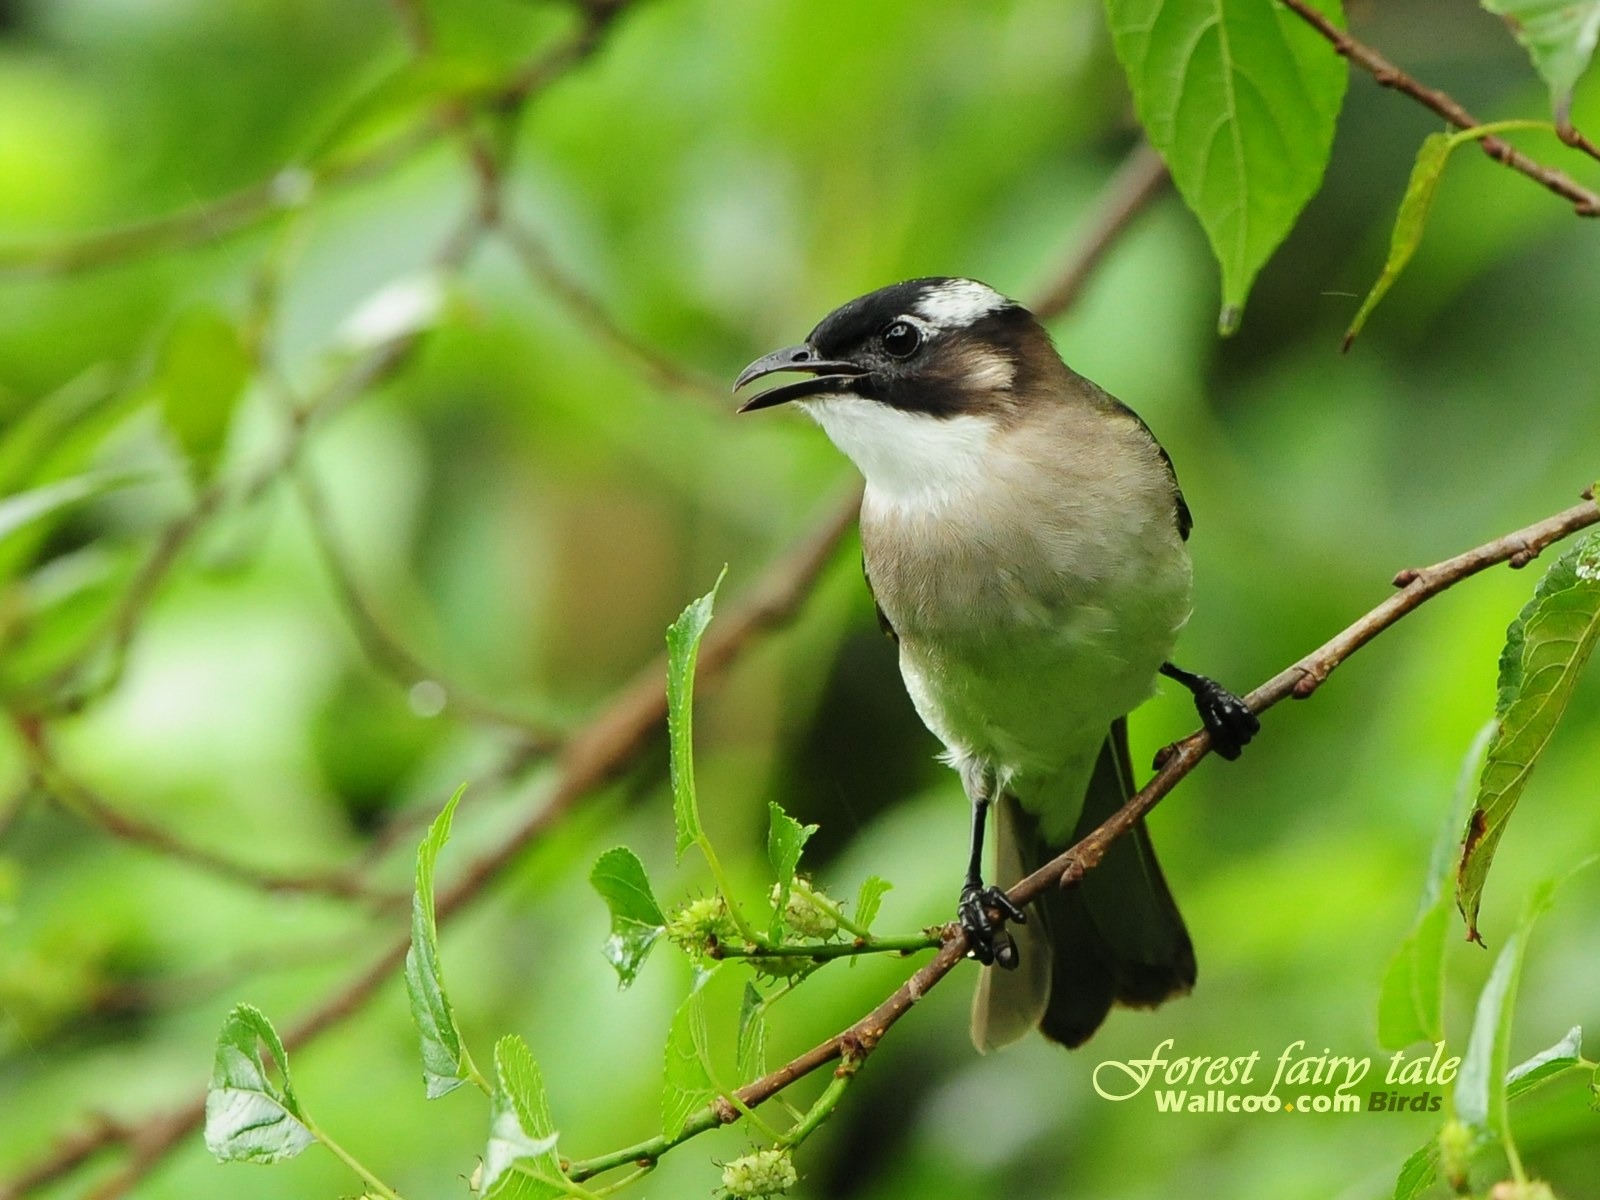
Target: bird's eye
{"points": [[901, 339]]}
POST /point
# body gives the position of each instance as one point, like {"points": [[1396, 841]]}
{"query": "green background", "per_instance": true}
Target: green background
{"points": [[527, 506]]}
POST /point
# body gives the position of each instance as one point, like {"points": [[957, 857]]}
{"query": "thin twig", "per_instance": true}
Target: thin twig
{"points": [[1137, 182], [1584, 202], [1298, 681]]}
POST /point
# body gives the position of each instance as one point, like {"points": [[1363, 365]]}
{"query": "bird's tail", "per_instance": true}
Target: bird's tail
{"points": [[1115, 938]]}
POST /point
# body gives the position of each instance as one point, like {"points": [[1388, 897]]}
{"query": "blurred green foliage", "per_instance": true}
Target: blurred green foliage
{"points": [[525, 496]]}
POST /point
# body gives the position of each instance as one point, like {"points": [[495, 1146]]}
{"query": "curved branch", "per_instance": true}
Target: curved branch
{"points": [[1584, 202], [1297, 681]]}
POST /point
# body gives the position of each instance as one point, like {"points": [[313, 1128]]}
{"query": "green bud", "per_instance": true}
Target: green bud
{"points": [[809, 911], [700, 923], [1456, 1144], [757, 1176]]}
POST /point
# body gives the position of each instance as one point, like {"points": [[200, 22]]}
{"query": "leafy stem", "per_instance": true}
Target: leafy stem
{"points": [[375, 1186]]}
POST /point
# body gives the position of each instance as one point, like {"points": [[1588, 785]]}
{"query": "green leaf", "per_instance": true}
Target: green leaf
{"points": [[401, 98], [1410, 1003], [1559, 35], [1481, 1084], [636, 919], [870, 899], [25, 508], [446, 1065], [1409, 223], [1418, 1172], [1546, 647], [1565, 1055], [520, 1160], [201, 374], [1241, 100], [687, 1087], [786, 838], [683, 647], [248, 1117], [752, 1045]]}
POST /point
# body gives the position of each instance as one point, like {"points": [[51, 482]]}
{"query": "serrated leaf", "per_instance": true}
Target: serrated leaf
{"points": [[752, 1046], [683, 647], [1481, 1083], [1240, 99], [446, 1064], [1409, 222], [687, 1086], [1546, 647], [786, 838], [870, 898], [636, 919], [1545, 1065], [249, 1118], [1418, 1172], [201, 374], [1560, 37], [520, 1160]]}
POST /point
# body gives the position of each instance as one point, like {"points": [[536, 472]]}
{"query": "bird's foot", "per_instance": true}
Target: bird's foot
{"points": [[983, 913], [1227, 719]]}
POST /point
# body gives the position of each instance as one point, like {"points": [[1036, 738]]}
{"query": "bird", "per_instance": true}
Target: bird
{"points": [[1024, 539]]}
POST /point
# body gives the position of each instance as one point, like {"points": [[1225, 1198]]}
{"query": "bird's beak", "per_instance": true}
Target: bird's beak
{"points": [[831, 376]]}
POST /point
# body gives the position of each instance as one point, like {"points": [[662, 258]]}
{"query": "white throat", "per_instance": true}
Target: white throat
{"points": [[911, 460]]}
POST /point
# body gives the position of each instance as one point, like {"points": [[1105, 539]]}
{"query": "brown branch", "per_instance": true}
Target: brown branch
{"points": [[1137, 182], [1584, 202], [1297, 681], [596, 755]]}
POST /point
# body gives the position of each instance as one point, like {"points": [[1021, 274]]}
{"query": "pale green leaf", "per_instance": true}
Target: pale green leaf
{"points": [[446, 1065], [786, 838], [1240, 99], [1410, 1004], [752, 1041], [200, 376], [1560, 37], [1409, 223], [683, 647], [687, 1086], [636, 919], [1418, 1172], [249, 1118], [1565, 1055], [1546, 647], [1481, 1083], [870, 899], [520, 1160]]}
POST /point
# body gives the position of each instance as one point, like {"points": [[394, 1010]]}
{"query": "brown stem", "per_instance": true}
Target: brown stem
{"points": [[1584, 202]]}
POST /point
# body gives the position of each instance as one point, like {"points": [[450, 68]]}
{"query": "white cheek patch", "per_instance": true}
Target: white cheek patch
{"points": [[911, 460], [959, 303]]}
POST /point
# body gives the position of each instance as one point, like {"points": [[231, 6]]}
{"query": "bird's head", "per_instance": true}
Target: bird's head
{"points": [[913, 380], [942, 347]]}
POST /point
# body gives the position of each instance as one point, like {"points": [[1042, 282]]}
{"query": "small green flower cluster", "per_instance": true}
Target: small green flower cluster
{"points": [[701, 924], [760, 1175], [809, 912]]}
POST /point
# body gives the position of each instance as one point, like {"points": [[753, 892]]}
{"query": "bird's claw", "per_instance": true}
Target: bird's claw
{"points": [[1226, 718], [983, 913]]}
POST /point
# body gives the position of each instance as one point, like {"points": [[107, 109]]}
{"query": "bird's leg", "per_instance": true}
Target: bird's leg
{"points": [[1226, 718], [984, 911]]}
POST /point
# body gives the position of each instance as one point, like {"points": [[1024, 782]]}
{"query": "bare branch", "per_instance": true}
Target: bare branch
{"points": [[1584, 202]]}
